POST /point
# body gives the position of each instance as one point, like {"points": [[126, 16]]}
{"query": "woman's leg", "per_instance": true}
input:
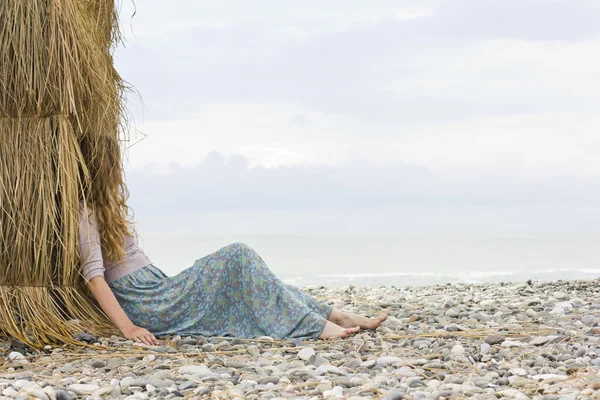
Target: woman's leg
{"points": [[341, 318], [319, 307], [247, 299], [344, 319]]}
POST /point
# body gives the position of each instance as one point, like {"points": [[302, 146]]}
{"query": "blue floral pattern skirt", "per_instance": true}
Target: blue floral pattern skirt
{"points": [[231, 292]]}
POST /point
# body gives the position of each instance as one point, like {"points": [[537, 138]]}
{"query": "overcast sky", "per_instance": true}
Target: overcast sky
{"points": [[364, 116]]}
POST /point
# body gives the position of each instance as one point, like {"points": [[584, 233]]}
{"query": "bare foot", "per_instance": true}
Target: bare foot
{"points": [[347, 320], [335, 331]]}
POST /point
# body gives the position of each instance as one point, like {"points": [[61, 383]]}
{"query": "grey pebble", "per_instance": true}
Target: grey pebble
{"points": [[494, 339]]}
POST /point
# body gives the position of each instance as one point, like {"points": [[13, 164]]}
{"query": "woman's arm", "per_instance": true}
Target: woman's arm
{"points": [[92, 265], [109, 304]]}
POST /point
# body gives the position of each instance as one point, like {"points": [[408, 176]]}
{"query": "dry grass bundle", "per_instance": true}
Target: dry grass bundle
{"points": [[57, 86]]}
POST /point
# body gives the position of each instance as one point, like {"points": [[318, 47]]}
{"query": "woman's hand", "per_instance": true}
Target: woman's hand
{"points": [[111, 307], [140, 335]]}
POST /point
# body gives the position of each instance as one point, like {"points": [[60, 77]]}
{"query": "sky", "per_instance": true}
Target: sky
{"points": [[353, 116]]}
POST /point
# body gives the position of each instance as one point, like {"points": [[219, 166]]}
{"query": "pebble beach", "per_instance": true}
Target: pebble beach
{"points": [[526, 340]]}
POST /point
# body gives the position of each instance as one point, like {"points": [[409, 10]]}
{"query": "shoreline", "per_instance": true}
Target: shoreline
{"points": [[517, 340]]}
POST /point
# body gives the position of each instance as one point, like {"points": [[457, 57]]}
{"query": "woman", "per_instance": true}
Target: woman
{"points": [[231, 292]]}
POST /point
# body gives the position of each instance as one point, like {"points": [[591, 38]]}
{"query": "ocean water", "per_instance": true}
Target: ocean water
{"points": [[395, 259]]}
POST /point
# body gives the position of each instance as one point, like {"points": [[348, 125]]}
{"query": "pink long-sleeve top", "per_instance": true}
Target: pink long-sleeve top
{"points": [[92, 257]]}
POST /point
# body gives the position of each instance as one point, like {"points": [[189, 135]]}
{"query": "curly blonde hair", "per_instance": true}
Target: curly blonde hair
{"points": [[105, 192]]}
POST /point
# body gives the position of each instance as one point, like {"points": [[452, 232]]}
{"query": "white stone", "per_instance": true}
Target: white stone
{"points": [[17, 357], [9, 392], [512, 343], [485, 348], [22, 384], [553, 377], [196, 370], [84, 388], [368, 363], [49, 390], [514, 394], [106, 390], [434, 384], [388, 360], [538, 341], [519, 371], [127, 381], [561, 296], [337, 391], [137, 396], [567, 306], [328, 369], [36, 393], [405, 372], [306, 353], [531, 313], [457, 349]]}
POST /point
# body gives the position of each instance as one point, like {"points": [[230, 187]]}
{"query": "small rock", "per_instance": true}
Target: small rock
{"points": [[484, 348], [62, 395], [388, 360], [539, 341], [83, 388], [306, 353], [328, 369], [196, 370], [186, 385], [108, 391], [457, 349], [519, 371], [9, 392], [512, 343], [588, 320], [202, 390], [337, 391], [453, 312], [127, 381], [253, 351], [17, 357], [492, 340], [317, 360], [235, 364], [580, 352], [394, 394], [21, 384], [85, 337]]}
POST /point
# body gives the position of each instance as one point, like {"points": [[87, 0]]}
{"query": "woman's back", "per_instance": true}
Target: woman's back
{"points": [[93, 260]]}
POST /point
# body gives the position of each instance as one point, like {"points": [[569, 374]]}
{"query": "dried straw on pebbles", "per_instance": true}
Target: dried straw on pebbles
{"points": [[491, 341]]}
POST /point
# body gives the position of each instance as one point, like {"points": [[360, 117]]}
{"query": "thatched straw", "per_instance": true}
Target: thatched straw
{"points": [[57, 85]]}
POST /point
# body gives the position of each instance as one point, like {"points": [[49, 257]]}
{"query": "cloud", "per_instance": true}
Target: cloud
{"points": [[222, 194], [542, 20], [226, 183], [466, 111], [541, 145], [466, 59]]}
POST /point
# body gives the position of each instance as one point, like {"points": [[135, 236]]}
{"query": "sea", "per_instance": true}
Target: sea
{"points": [[399, 259]]}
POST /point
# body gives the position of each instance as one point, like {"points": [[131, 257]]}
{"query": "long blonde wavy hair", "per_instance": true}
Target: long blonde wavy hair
{"points": [[106, 193]]}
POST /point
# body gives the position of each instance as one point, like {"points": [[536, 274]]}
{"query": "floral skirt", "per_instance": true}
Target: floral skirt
{"points": [[231, 292]]}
